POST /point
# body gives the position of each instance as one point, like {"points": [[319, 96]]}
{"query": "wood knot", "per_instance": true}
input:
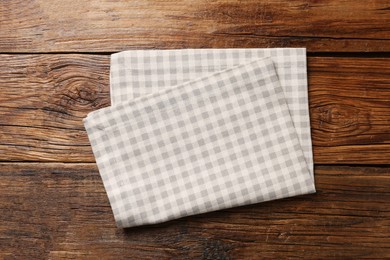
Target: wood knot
{"points": [[338, 116], [336, 122], [81, 92], [76, 97]]}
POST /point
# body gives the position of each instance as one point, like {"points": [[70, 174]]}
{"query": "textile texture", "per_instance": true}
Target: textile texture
{"points": [[192, 131]]}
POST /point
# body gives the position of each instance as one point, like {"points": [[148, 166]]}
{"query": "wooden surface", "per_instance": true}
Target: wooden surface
{"points": [[106, 26], [61, 210], [54, 69]]}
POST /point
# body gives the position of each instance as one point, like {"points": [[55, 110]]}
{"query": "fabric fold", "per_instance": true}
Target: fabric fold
{"points": [[217, 140], [136, 73]]}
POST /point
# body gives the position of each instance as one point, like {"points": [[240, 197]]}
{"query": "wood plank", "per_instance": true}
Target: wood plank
{"points": [[107, 26], [43, 99], [61, 210], [350, 110]]}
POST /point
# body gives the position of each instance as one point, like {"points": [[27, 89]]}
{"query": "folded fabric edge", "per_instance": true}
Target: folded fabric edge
{"points": [[89, 119], [115, 55]]}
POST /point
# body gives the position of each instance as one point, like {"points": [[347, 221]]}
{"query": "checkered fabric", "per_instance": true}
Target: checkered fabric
{"points": [[139, 72], [219, 141]]}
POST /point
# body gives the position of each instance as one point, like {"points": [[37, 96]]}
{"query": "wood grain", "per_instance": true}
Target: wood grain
{"points": [[54, 69], [350, 110], [55, 210], [43, 99], [107, 26]]}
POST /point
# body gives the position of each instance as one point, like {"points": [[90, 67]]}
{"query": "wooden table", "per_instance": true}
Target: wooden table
{"points": [[54, 69]]}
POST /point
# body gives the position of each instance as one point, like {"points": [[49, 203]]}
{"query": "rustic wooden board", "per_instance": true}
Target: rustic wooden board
{"points": [[61, 210], [106, 26], [43, 99], [52, 200], [350, 110]]}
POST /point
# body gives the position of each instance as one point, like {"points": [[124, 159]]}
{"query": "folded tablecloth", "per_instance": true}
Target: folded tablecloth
{"points": [[139, 72], [192, 132]]}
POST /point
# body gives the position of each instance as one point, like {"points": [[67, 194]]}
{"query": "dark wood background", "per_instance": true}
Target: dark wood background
{"points": [[54, 69]]}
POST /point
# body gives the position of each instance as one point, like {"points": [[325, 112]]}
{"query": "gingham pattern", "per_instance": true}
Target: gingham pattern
{"points": [[139, 72], [216, 142]]}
